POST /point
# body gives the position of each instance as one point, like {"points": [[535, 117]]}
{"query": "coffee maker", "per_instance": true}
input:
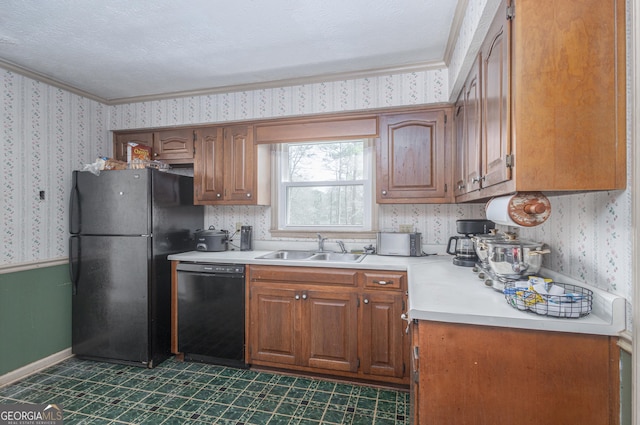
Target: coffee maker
{"points": [[462, 246]]}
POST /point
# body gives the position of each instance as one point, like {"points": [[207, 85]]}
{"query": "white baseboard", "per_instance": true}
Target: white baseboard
{"points": [[34, 367]]}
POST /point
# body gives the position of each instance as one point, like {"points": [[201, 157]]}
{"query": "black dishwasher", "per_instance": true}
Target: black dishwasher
{"points": [[211, 313]]}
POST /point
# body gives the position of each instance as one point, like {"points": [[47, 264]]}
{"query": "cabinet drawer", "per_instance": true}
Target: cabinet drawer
{"points": [[304, 275], [384, 280]]}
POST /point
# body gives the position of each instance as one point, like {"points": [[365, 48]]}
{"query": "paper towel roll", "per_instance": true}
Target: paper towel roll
{"points": [[524, 209]]}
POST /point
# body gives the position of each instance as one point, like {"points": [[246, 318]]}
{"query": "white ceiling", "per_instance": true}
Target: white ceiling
{"points": [[119, 49]]}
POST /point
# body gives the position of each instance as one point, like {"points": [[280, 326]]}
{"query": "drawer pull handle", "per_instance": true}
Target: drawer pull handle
{"points": [[383, 282]]}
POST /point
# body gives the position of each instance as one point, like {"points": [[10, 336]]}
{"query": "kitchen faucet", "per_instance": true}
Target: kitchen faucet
{"points": [[321, 242]]}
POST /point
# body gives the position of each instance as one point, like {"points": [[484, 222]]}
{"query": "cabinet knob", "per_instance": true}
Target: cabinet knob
{"points": [[366, 301], [304, 296], [383, 282], [297, 297], [155, 154], [384, 192], [218, 195], [248, 195], [460, 186]]}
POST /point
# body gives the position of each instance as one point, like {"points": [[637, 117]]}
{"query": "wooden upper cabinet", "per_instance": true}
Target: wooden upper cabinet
{"points": [[230, 168], [120, 141], [468, 125], [240, 167], [569, 83], [460, 155], [496, 146], [208, 177], [553, 98], [412, 158], [473, 128], [169, 145]]}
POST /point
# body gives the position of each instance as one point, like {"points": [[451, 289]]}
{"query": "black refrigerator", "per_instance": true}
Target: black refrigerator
{"points": [[123, 225]]}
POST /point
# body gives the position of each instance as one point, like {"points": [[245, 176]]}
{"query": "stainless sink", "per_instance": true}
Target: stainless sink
{"points": [[287, 255], [338, 257], [313, 256]]}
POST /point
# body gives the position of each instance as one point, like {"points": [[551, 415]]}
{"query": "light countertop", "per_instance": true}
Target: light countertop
{"points": [[441, 291]]}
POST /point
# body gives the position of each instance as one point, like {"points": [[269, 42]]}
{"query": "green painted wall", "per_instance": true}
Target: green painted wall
{"points": [[35, 315]]}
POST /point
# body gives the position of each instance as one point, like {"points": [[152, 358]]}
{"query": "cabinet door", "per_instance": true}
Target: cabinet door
{"points": [[120, 143], [473, 129], [496, 141], [330, 330], [174, 145], [208, 177], [239, 164], [460, 166], [382, 334], [274, 336], [411, 158], [478, 375]]}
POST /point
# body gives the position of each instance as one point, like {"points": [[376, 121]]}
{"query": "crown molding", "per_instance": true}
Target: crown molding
{"points": [[401, 69], [454, 32], [50, 81], [325, 78]]}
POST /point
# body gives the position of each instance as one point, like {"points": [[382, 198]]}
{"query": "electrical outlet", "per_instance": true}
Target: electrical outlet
{"points": [[406, 228], [238, 226]]}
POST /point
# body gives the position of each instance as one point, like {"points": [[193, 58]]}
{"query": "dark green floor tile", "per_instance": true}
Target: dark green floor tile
{"points": [[386, 406], [359, 419], [366, 404], [333, 417], [313, 413], [287, 408], [233, 412], [266, 405], [368, 392], [278, 390], [197, 394], [259, 418]]}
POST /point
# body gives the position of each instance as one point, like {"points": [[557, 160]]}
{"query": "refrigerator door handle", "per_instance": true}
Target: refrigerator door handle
{"points": [[74, 207], [74, 262]]}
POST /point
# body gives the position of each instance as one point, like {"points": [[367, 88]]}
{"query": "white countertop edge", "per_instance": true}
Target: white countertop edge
{"points": [[591, 324], [453, 294], [435, 276]]}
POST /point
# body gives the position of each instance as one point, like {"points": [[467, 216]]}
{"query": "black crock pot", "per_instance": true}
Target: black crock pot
{"points": [[212, 240]]}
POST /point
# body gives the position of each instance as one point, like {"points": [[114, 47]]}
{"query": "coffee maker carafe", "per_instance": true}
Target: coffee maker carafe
{"points": [[462, 246]]}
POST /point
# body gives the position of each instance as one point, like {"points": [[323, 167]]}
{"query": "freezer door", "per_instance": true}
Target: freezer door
{"points": [[110, 305], [113, 203]]}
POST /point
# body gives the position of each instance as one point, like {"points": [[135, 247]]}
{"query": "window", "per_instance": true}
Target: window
{"points": [[325, 185]]}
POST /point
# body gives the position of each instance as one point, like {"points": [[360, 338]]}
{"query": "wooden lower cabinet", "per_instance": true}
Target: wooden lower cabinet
{"points": [[381, 336], [331, 340], [482, 375], [273, 325], [323, 321]]}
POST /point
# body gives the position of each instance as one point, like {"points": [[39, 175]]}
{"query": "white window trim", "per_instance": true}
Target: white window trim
{"points": [[278, 211]]}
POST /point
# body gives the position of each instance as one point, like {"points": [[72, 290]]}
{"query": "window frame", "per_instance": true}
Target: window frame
{"points": [[279, 207]]}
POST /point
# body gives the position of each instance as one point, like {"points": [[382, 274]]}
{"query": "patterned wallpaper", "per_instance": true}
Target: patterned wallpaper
{"points": [[45, 133], [48, 132]]}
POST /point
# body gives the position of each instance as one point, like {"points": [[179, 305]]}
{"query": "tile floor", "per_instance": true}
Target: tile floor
{"points": [[194, 393]]}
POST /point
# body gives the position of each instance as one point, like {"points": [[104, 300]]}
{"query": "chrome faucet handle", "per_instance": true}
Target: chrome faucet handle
{"points": [[342, 247], [321, 242]]}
